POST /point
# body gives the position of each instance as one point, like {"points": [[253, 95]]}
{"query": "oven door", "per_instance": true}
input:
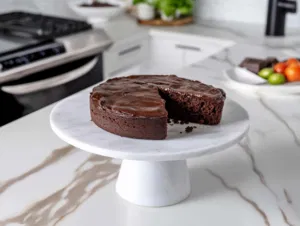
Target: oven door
{"points": [[41, 89]]}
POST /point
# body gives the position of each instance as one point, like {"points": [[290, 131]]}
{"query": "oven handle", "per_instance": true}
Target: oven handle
{"points": [[50, 82]]}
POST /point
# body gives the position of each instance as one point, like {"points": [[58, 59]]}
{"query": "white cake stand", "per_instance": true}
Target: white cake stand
{"points": [[153, 173]]}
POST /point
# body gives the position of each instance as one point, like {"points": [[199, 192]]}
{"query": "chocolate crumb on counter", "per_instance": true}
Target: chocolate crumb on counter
{"points": [[189, 129]]}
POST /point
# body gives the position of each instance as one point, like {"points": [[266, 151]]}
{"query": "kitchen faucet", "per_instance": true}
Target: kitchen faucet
{"points": [[277, 10]]}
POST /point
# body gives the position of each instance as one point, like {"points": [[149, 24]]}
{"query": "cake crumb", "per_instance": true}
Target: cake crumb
{"points": [[194, 127], [180, 132], [183, 122], [189, 129], [175, 121]]}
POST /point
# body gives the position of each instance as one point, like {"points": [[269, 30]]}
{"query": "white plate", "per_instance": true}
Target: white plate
{"points": [[71, 121], [237, 80], [248, 77]]}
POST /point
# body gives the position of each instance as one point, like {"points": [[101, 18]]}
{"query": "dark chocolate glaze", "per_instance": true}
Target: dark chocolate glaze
{"points": [[139, 95]]}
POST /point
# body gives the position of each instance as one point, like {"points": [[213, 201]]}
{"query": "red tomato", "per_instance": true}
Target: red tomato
{"points": [[291, 61], [280, 67], [294, 64], [292, 74]]}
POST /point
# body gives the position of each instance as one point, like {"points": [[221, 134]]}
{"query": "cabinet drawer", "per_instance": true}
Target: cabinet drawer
{"points": [[193, 42], [174, 54], [165, 52], [131, 70], [194, 48], [195, 52], [125, 56]]}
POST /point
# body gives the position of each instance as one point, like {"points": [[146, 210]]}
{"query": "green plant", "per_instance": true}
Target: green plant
{"points": [[149, 2], [169, 7], [135, 2], [185, 7]]}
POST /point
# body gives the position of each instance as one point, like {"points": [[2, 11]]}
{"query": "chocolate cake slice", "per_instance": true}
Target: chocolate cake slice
{"points": [[139, 106]]}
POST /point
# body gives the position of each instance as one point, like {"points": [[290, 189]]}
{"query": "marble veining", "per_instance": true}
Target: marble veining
{"points": [[54, 208], [238, 191], [287, 196], [55, 156], [245, 146], [296, 138]]}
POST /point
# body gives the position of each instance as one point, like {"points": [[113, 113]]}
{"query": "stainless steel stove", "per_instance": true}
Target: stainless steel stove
{"points": [[31, 42], [44, 59]]}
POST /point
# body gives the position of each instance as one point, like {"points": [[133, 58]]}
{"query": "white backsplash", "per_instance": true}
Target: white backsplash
{"points": [[250, 11]]}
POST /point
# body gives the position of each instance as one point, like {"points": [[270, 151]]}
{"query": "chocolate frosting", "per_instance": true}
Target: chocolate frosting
{"points": [[139, 96]]}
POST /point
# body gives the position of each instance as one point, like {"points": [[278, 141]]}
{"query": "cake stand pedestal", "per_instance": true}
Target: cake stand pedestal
{"points": [[153, 173], [159, 183]]}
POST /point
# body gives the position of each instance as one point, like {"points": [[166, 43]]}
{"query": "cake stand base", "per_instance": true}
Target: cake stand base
{"points": [[155, 184]]}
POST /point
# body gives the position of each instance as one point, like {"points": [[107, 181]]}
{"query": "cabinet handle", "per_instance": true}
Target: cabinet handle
{"points": [[193, 48], [129, 50]]}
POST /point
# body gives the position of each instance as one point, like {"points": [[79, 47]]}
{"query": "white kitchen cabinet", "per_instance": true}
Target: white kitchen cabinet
{"points": [[160, 53], [165, 57], [131, 70], [194, 53], [145, 67], [125, 55], [177, 50]]}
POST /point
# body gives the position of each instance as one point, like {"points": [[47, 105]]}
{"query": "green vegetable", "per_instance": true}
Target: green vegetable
{"points": [[276, 79], [266, 72]]}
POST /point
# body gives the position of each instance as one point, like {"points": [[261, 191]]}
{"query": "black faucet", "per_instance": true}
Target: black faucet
{"points": [[277, 10]]}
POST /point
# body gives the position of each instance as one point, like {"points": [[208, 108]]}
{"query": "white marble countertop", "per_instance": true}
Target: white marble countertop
{"points": [[125, 26], [44, 181]]}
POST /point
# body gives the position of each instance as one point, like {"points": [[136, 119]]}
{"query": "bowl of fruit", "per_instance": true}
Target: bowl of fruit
{"points": [[98, 10], [268, 75]]}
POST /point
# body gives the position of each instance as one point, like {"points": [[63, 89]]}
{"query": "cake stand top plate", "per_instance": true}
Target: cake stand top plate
{"points": [[70, 120]]}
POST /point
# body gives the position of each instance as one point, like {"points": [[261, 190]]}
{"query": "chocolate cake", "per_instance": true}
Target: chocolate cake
{"points": [[139, 106]]}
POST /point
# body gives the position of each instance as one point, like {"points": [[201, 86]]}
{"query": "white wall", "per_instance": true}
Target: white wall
{"points": [[252, 11]]}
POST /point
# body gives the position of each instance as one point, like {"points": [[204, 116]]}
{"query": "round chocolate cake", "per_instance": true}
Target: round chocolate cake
{"points": [[139, 106]]}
